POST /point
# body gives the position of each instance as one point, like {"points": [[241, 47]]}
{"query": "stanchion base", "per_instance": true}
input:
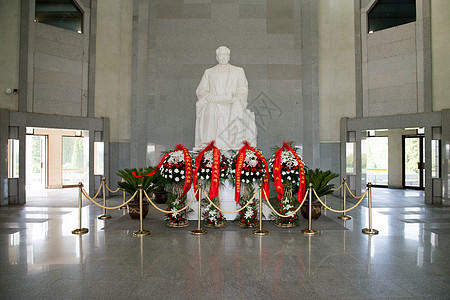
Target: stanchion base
{"points": [[199, 231], [80, 231], [141, 233], [260, 232], [309, 232], [344, 217], [369, 231], [104, 217]]}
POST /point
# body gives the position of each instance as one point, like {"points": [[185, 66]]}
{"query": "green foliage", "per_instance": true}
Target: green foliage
{"points": [[131, 183], [320, 180]]}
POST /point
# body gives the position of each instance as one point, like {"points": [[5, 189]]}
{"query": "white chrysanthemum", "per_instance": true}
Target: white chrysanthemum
{"points": [[208, 156], [177, 179], [176, 171], [207, 176], [182, 172], [248, 214]]}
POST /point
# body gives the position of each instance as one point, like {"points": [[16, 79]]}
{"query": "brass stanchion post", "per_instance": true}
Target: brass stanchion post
{"points": [[123, 198], [104, 216], [309, 231], [260, 231], [370, 230], [199, 230], [80, 230], [344, 216], [141, 231]]}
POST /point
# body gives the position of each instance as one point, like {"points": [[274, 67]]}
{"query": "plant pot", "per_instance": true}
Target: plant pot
{"points": [[160, 197], [180, 224], [245, 225], [316, 210], [133, 209], [220, 224], [285, 225]]}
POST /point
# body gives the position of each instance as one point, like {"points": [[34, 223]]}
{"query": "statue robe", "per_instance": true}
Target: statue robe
{"points": [[228, 121]]}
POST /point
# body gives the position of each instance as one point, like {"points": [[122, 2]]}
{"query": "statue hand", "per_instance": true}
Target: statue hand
{"points": [[209, 98]]}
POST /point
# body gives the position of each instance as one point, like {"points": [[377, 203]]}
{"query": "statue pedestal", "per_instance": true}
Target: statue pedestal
{"points": [[227, 203]]}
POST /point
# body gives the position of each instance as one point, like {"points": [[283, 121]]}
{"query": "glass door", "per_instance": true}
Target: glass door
{"points": [[75, 160], [413, 162], [36, 160], [377, 160]]}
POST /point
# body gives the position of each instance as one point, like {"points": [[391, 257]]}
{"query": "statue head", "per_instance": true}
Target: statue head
{"points": [[223, 55]]}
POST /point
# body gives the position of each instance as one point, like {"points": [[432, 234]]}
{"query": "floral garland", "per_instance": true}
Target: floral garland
{"points": [[205, 168], [212, 216], [248, 217], [289, 177], [289, 169], [253, 171], [172, 168], [286, 206]]}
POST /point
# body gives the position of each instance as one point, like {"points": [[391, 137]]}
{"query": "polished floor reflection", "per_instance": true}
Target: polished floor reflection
{"points": [[410, 257]]}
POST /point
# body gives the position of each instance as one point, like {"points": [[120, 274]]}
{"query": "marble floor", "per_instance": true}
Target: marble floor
{"points": [[409, 259]]}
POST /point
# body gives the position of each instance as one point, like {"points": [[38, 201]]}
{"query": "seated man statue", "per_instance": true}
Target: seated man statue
{"points": [[221, 108]]}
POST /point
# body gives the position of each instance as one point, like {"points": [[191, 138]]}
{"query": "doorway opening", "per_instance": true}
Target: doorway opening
{"points": [[376, 157], [413, 149], [55, 159]]}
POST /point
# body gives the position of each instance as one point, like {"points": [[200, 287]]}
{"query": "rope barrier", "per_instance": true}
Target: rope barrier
{"points": [[337, 189], [230, 212], [106, 185], [98, 192], [291, 214], [169, 211], [102, 206], [348, 188], [345, 210]]}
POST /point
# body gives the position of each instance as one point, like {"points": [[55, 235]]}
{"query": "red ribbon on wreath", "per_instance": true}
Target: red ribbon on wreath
{"points": [[215, 170], [187, 168], [277, 172], [239, 166]]}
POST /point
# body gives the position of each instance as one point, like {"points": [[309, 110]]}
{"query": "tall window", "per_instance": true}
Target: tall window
{"points": [[59, 13], [390, 13]]}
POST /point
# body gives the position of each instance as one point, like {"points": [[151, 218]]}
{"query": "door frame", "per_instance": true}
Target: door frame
{"points": [[421, 162], [44, 162]]}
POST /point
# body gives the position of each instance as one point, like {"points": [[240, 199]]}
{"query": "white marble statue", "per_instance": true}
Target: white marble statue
{"points": [[221, 108]]}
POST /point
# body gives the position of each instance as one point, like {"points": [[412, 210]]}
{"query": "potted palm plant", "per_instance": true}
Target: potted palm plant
{"points": [[321, 184], [130, 185]]}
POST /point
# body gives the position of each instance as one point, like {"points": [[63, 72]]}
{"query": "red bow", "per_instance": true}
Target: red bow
{"points": [[187, 168]]}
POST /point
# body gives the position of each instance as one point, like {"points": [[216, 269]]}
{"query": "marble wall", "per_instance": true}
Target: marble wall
{"points": [[9, 49], [440, 22], [176, 41]]}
